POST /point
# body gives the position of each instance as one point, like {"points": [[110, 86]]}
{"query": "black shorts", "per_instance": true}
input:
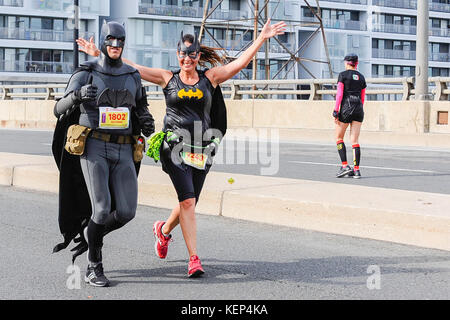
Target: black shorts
{"points": [[188, 181], [351, 110]]}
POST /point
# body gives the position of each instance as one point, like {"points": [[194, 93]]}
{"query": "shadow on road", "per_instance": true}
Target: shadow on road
{"points": [[331, 270]]}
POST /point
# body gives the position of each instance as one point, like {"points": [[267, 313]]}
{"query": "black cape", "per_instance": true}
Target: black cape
{"points": [[219, 112], [75, 209]]}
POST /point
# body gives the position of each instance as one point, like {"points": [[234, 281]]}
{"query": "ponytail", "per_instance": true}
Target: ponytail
{"points": [[209, 55]]}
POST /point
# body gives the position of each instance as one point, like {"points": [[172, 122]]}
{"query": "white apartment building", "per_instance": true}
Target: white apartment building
{"points": [[382, 33], [36, 37]]}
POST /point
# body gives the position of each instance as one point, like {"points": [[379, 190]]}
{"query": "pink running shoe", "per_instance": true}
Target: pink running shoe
{"points": [[195, 267], [162, 242]]}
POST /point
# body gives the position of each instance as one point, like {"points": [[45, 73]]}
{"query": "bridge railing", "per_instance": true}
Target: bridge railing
{"points": [[299, 89]]}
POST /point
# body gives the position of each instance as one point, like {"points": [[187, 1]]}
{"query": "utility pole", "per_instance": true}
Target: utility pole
{"points": [[422, 51], [76, 32]]}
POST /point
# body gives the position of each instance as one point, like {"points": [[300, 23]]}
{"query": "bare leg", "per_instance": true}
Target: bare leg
{"points": [[355, 130], [341, 127], [172, 221], [188, 225]]}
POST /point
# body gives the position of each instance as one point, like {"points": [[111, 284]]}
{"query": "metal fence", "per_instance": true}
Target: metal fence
{"points": [[302, 89]]}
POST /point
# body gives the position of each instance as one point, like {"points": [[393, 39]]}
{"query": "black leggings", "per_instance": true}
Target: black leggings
{"points": [[188, 181]]}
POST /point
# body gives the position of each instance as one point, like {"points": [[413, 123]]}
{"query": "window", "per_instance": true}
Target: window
{"points": [[283, 38], [389, 44], [375, 70], [307, 13], [235, 5], [354, 15], [388, 70], [435, 23], [47, 24], [388, 19], [375, 43], [35, 24]]}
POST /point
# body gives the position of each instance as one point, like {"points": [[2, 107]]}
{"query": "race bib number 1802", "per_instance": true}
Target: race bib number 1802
{"points": [[114, 118]]}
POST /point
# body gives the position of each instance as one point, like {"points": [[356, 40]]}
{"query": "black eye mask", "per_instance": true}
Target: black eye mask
{"points": [[192, 49], [117, 43]]}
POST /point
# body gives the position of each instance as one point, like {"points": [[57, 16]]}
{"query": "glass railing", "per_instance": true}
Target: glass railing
{"points": [[345, 24], [86, 6], [393, 54], [36, 67], [11, 3], [440, 57], [411, 4], [441, 7], [339, 24], [439, 32], [395, 28], [40, 35], [190, 12], [349, 1]]}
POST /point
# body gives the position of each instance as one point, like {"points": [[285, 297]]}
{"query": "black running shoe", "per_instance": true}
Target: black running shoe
{"points": [[356, 174], [344, 171], [95, 276]]}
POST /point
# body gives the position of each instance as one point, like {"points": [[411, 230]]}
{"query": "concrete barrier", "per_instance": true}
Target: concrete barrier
{"points": [[396, 117], [414, 218]]}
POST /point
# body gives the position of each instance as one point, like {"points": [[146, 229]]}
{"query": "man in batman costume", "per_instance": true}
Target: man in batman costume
{"points": [[98, 190]]}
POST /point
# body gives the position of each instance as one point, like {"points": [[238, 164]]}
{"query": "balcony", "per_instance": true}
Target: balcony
{"points": [[393, 54], [411, 4], [439, 32], [190, 12], [86, 6], [36, 67], [439, 57], [339, 24], [11, 3], [40, 35], [395, 28], [407, 55], [363, 2]]}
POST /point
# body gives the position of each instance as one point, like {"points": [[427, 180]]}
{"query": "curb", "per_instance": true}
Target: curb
{"points": [[413, 218]]}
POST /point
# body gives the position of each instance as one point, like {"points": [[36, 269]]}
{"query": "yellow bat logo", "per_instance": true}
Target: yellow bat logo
{"points": [[190, 93]]}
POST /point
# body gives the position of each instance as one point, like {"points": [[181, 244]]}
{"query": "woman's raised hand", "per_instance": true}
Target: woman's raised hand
{"points": [[270, 31], [88, 47]]}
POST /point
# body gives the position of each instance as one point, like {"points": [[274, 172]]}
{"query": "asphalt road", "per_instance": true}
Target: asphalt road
{"points": [[415, 169], [242, 260]]}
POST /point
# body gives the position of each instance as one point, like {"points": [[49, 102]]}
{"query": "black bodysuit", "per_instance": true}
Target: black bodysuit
{"points": [[188, 114], [188, 104]]}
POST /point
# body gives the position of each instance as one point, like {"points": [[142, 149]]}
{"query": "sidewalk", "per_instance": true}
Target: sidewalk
{"points": [[413, 218]]}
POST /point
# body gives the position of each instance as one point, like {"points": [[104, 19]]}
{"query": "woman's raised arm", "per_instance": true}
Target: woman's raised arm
{"points": [[221, 74], [154, 75]]}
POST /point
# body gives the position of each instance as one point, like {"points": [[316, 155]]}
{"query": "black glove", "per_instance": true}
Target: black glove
{"points": [[148, 126], [86, 93], [335, 114]]}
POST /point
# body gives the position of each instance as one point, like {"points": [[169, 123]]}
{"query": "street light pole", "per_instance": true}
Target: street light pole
{"points": [[422, 51], [76, 33]]}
